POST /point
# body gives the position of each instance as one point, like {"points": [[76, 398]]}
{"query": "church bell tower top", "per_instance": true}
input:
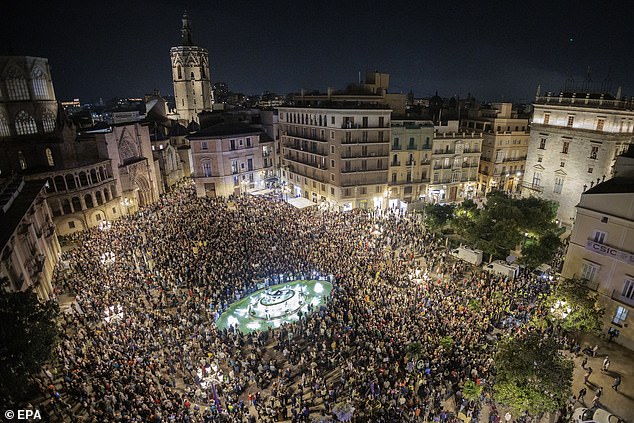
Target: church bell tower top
{"points": [[186, 31]]}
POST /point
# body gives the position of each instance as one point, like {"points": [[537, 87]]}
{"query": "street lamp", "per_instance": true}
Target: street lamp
{"points": [[127, 203]]}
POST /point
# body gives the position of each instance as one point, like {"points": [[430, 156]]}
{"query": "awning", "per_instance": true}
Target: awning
{"points": [[301, 202], [261, 192]]}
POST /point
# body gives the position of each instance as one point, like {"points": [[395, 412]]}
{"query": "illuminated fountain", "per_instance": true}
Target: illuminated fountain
{"points": [[273, 306]]}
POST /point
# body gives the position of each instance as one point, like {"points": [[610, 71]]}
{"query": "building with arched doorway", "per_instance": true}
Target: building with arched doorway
{"points": [[94, 175]]}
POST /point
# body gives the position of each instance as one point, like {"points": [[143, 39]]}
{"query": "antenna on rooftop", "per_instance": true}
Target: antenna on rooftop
{"points": [[606, 85], [587, 83]]}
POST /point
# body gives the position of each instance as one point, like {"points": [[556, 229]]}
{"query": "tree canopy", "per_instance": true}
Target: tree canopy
{"points": [[28, 332], [506, 222], [532, 376], [437, 215], [575, 307]]}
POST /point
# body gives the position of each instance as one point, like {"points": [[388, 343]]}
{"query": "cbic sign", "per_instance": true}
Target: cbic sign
{"points": [[606, 250]]}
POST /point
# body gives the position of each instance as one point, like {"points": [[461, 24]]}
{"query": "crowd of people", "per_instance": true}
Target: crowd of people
{"points": [[402, 331]]}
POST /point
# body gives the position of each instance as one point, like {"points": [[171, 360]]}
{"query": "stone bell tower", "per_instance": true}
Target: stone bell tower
{"points": [[190, 73]]}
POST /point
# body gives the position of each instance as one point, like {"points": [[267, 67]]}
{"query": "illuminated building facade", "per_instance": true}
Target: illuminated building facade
{"points": [[231, 159], [504, 146], [574, 141], [337, 154], [601, 250], [29, 249], [454, 164]]}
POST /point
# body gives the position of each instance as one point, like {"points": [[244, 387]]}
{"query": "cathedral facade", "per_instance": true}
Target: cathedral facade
{"points": [[93, 175]]}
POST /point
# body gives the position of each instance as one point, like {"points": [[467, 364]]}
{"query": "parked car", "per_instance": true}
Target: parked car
{"points": [[594, 415]]}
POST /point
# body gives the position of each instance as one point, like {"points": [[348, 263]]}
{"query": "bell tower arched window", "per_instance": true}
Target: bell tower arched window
{"points": [[4, 127], [48, 121], [179, 72], [40, 88], [17, 87], [25, 124]]}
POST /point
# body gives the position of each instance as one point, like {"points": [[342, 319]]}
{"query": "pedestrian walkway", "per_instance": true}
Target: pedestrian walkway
{"points": [[621, 359]]}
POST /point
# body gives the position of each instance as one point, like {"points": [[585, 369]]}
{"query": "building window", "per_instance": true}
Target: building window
{"points": [[594, 151], [179, 72], [39, 84], [332, 177], [559, 184], [571, 121], [628, 289], [49, 157], [332, 149], [537, 179], [234, 166], [562, 164], [620, 316], [565, 147], [204, 146], [248, 142], [546, 118], [249, 164], [590, 170], [599, 236], [22, 160], [542, 144], [4, 127], [232, 144], [539, 159], [71, 225], [206, 169], [25, 124], [600, 123], [17, 87], [589, 271], [48, 121]]}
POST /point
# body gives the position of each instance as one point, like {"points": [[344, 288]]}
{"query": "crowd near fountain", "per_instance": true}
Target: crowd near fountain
{"points": [[142, 340]]}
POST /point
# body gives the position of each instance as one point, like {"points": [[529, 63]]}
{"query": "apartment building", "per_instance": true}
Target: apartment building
{"points": [[455, 158], [410, 162], [231, 158], [504, 146], [29, 249], [337, 153]]}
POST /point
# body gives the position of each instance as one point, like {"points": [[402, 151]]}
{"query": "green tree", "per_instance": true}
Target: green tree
{"points": [[500, 226], [532, 376], [575, 307], [28, 333], [437, 215]]}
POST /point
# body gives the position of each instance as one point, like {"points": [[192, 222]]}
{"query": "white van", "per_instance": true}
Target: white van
{"points": [[469, 255], [501, 268]]}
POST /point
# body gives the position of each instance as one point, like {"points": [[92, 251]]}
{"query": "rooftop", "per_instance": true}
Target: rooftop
{"points": [[224, 129], [618, 185], [583, 99]]}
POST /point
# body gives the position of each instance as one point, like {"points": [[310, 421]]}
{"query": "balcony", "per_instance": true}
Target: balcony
{"points": [[617, 296], [316, 164], [410, 162], [306, 150], [395, 163], [356, 170]]}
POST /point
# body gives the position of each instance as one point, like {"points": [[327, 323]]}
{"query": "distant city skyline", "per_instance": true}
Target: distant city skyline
{"points": [[492, 50]]}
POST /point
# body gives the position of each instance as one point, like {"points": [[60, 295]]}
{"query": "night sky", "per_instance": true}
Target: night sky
{"points": [[494, 50]]}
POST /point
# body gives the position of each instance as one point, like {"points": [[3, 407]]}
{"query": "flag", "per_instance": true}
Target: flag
{"points": [[216, 400]]}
